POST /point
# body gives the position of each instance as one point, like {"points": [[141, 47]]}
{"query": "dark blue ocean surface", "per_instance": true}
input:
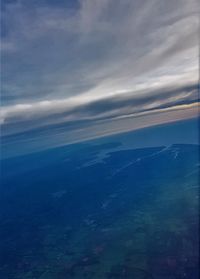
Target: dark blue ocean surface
{"points": [[102, 209]]}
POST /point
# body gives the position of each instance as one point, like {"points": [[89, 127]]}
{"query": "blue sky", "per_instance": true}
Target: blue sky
{"points": [[83, 69]]}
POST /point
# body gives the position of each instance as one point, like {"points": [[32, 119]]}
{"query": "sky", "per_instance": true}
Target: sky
{"points": [[74, 70]]}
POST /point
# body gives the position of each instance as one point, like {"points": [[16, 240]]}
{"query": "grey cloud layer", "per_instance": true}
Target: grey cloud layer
{"points": [[100, 60], [51, 114]]}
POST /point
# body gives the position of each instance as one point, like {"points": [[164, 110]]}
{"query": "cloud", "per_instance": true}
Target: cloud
{"points": [[21, 118], [94, 60]]}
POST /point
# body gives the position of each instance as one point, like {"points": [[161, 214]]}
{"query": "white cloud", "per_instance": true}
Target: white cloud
{"points": [[56, 59]]}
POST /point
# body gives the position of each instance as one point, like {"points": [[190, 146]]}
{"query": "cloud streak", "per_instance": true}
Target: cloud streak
{"points": [[90, 61]]}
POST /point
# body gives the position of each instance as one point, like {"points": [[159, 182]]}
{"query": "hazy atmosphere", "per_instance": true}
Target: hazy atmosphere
{"points": [[75, 70]]}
